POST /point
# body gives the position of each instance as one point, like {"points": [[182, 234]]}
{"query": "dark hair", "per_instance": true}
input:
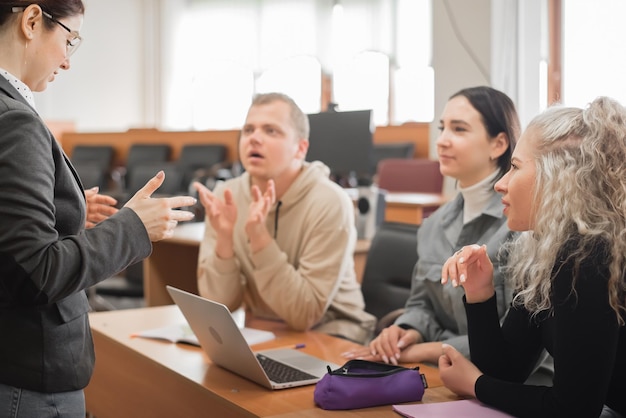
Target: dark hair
{"points": [[57, 8], [498, 114]]}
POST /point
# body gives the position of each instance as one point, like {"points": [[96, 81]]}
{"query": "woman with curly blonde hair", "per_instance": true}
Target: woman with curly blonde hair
{"points": [[567, 190]]}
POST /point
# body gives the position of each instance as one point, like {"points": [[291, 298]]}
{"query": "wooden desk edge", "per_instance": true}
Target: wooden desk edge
{"points": [[109, 327]]}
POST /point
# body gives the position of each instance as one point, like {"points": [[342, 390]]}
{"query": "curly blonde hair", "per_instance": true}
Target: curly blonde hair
{"points": [[580, 191]]}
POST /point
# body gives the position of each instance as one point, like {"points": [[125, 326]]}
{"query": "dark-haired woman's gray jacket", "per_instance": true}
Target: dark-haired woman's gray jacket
{"points": [[47, 258]]}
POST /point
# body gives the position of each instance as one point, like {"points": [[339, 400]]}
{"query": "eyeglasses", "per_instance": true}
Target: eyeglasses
{"points": [[72, 44]]}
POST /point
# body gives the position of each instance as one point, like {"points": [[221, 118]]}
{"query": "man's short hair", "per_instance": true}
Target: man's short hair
{"points": [[299, 120]]}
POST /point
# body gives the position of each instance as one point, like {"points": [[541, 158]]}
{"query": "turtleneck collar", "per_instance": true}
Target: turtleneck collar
{"points": [[476, 197], [21, 88]]}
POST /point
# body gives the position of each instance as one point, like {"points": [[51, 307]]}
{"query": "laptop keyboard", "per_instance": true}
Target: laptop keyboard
{"points": [[280, 372]]}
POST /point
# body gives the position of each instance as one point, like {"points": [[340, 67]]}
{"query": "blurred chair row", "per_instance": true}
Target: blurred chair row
{"points": [[94, 164]]}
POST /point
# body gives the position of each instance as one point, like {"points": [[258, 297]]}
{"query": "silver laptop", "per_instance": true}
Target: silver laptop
{"points": [[226, 346]]}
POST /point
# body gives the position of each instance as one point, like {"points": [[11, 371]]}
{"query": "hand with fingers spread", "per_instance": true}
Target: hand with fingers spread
{"points": [[261, 204], [99, 207], [158, 215], [222, 215], [457, 372], [387, 346], [471, 268]]}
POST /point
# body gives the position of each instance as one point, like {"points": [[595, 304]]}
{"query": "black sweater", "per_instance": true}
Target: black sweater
{"points": [[581, 333]]}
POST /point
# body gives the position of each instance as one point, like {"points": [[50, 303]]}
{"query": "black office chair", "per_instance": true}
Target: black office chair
{"points": [[132, 176], [91, 175], [197, 160], [143, 172], [127, 284], [93, 164], [139, 154], [386, 282]]}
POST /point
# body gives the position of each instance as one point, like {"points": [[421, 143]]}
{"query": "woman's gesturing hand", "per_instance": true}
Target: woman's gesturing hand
{"points": [[159, 215], [471, 268], [99, 207]]}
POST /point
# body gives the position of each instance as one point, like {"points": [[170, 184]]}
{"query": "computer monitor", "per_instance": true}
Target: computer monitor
{"points": [[343, 141]]}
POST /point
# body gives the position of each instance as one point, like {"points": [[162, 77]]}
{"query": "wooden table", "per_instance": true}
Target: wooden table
{"points": [[174, 261], [136, 377]]}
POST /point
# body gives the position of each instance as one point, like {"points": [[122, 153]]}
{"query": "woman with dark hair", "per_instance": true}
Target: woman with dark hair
{"points": [[47, 257], [479, 128], [566, 195]]}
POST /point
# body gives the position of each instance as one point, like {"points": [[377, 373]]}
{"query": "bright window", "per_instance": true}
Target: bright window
{"points": [[594, 56], [376, 53], [220, 94], [299, 77], [363, 83]]}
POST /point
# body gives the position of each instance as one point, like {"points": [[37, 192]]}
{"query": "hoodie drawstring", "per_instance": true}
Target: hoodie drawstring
{"points": [[276, 218]]}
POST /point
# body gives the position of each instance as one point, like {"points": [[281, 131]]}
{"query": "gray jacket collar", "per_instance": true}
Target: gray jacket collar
{"points": [[7, 89], [493, 209]]}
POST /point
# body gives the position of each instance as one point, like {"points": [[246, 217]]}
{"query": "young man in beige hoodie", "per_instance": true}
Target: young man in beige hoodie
{"points": [[280, 238]]}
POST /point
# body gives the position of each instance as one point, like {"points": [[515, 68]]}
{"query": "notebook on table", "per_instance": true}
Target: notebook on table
{"points": [[461, 408], [225, 345], [182, 333]]}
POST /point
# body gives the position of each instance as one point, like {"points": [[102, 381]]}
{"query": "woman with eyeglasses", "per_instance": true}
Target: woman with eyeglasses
{"points": [[47, 255]]}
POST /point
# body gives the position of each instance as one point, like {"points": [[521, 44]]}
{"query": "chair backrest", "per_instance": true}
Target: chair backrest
{"points": [[199, 157], [91, 175], [145, 171], [388, 273], [396, 150], [147, 153], [93, 164], [418, 175], [101, 155]]}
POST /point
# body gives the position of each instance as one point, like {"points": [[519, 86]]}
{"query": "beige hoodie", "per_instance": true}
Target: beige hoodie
{"points": [[306, 275]]}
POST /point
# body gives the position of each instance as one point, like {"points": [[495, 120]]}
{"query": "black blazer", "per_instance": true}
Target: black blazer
{"points": [[47, 257]]}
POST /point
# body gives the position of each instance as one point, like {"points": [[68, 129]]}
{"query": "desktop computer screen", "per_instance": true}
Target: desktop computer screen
{"points": [[343, 141]]}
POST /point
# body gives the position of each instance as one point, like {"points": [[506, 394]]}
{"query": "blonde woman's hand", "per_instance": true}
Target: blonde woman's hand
{"points": [[471, 268], [457, 373], [159, 215]]}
